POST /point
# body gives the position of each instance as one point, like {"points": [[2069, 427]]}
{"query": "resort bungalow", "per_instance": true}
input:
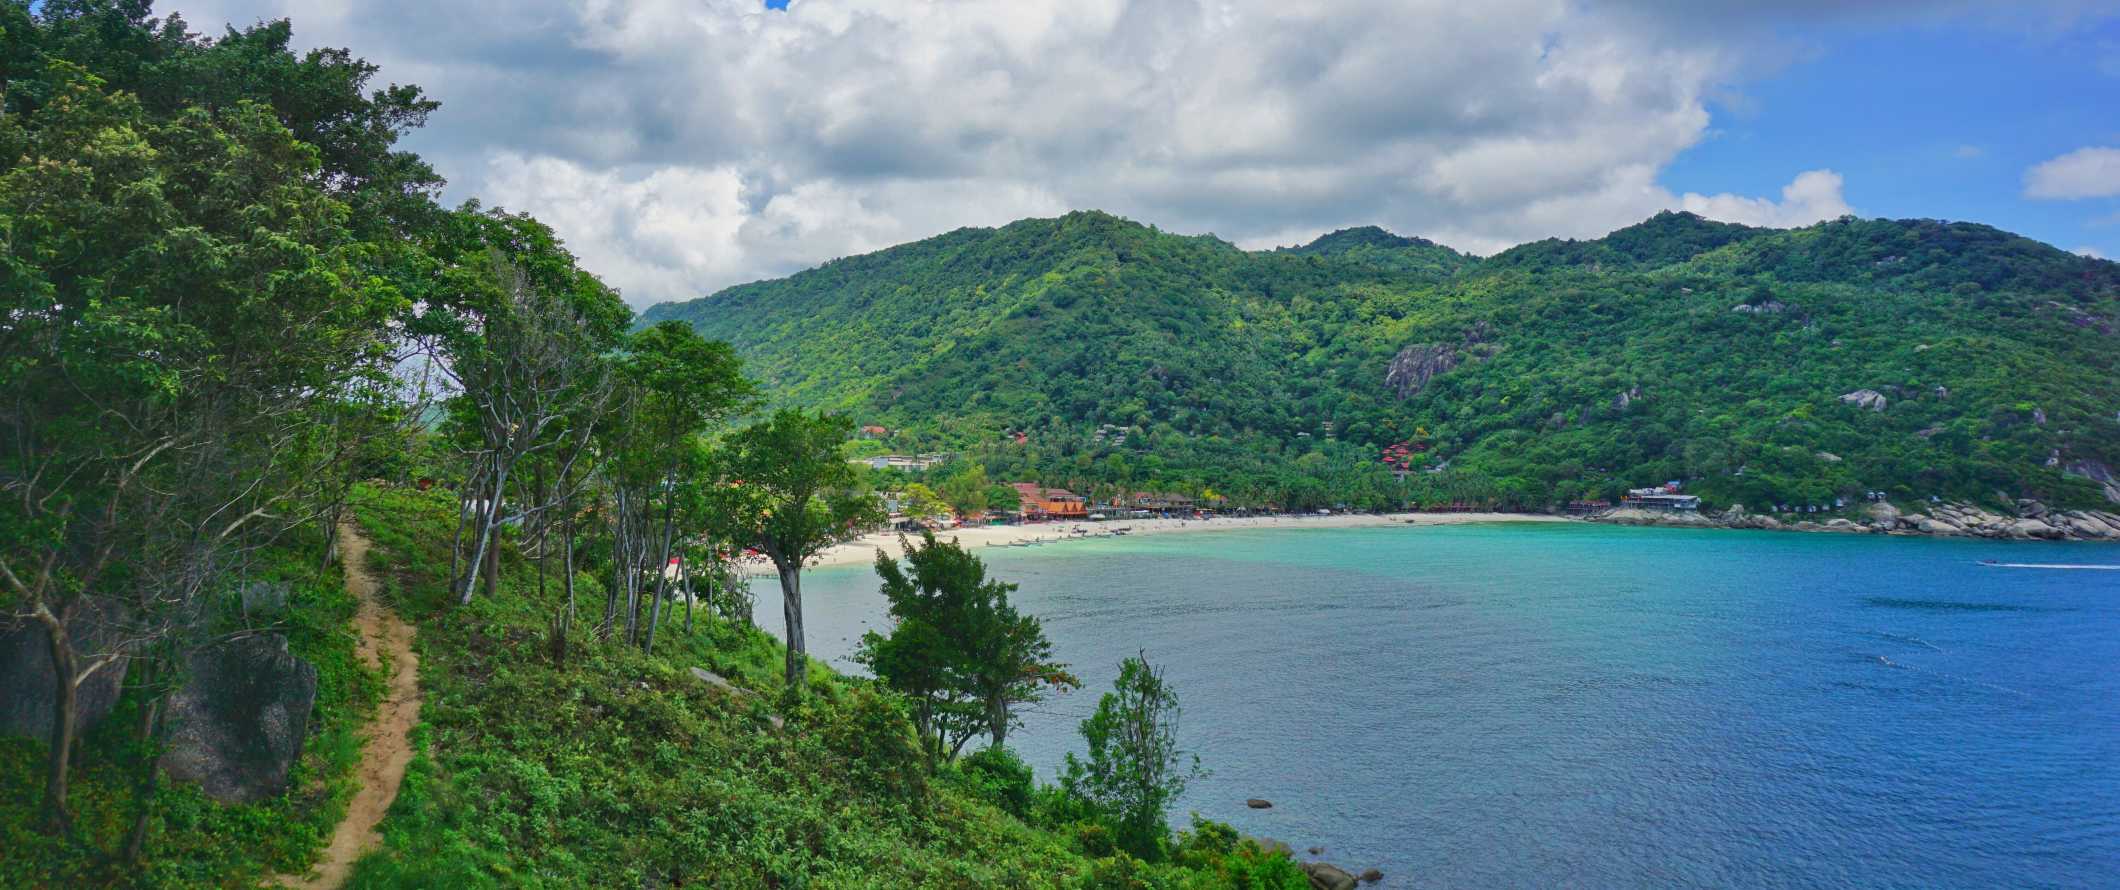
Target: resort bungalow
{"points": [[1149, 500], [1039, 502], [1665, 498], [907, 462]]}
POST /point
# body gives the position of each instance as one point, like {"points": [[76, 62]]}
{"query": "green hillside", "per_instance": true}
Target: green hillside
{"points": [[1677, 348]]}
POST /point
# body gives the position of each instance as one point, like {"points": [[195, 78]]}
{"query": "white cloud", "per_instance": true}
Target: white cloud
{"points": [[684, 145], [1813, 196], [1969, 152], [2092, 252], [2084, 173]]}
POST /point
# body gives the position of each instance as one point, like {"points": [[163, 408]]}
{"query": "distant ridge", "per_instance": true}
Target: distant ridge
{"points": [[1675, 348]]}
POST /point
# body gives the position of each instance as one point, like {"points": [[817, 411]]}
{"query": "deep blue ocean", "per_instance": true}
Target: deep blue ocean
{"points": [[1578, 705]]}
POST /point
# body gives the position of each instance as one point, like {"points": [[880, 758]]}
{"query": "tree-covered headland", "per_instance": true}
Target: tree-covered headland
{"points": [[238, 329]]}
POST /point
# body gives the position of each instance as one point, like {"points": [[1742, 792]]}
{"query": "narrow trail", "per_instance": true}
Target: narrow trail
{"points": [[388, 747]]}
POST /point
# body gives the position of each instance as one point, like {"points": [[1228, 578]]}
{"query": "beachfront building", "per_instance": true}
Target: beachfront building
{"points": [[1039, 502], [1149, 500], [1665, 498], [907, 462]]}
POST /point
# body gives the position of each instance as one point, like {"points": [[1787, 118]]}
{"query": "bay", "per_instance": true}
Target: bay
{"points": [[1519, 705]]}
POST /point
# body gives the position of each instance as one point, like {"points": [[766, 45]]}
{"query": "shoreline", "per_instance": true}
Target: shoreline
{"points": [[863, 550]]}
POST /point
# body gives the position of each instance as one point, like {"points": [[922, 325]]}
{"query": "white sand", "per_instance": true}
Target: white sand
{"points": [[863, 550]]}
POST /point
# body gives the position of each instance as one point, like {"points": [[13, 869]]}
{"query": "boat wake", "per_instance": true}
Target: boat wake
{"points": [[2051, 565]]}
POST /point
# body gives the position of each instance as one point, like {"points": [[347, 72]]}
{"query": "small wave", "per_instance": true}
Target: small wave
{"points": [[1902, 638]]}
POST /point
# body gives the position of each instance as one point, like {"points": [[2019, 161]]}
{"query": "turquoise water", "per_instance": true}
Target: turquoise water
{"points": [[1593, 706]]}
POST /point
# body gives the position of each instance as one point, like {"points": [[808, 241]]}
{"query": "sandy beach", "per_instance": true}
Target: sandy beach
{"points": [[863, 550]]}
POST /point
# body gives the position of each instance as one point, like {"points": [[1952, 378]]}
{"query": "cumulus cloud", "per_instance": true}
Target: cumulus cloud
{"points": [[1813, 196], [684, 145], [2084, 173]]}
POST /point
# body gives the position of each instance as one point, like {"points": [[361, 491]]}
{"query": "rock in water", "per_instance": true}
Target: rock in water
{"points": [[240, 720], [1327, 877], [1372, 876], [26, 686], [1259, 804]]}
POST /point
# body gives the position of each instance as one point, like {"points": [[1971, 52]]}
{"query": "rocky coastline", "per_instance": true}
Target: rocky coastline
{"points": [[2029, 521]]}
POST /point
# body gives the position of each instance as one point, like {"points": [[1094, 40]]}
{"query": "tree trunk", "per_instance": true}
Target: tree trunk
{"points": [[684, 588], [57, 819], [537, 486], [331, 538], [662, 564], [997, 720], [567, 561], [493, 563], [791, 606], [488, 537], [150, 734]]}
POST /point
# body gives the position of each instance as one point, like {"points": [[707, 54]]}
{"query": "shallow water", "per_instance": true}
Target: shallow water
{"points": [[1596, 706]]}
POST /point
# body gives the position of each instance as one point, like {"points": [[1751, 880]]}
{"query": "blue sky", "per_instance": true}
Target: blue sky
{"points": [[1929, 120]]}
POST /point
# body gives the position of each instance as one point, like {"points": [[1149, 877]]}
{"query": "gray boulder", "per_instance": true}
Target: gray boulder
{"points": [[26, 684], [238, 724], [2033, 528], [1328, 877], [1866, 399]]}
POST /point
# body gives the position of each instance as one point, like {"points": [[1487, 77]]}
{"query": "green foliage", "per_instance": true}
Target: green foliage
{"points": [[1135, 360], [956, 649], [619, 767], [996, 775], [1134, 768]]}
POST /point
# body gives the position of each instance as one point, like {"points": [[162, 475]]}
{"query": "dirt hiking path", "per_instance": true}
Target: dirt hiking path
{"points": [[388, 748]]}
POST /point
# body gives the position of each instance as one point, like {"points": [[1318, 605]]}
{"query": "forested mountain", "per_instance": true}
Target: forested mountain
{"points": [[1737, 359]]}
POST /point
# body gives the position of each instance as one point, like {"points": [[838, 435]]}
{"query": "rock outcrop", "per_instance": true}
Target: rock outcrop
{"points": [[2031, 520], [722, 685], [238, 724], [1866, 399], [1327, 877], [1415, 365], [27, 687], [2097, 472]]}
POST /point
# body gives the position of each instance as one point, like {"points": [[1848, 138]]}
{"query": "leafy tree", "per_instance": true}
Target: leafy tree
{"points": [[957, 648], [150, 438], [675, 385], [923, 502], [1134, 768], [968, 490], [794, 495]]}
